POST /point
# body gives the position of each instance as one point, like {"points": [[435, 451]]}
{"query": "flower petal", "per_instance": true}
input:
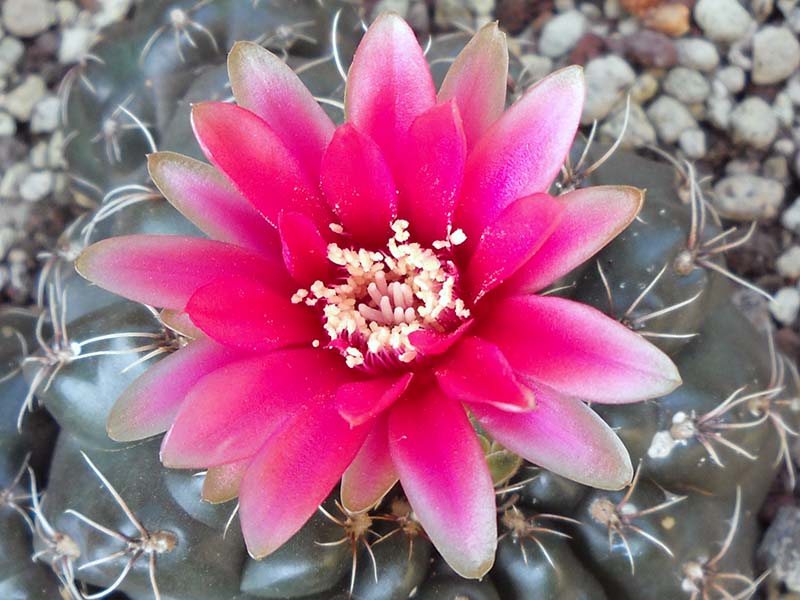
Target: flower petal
{"points": [[358, 186], [204, 196], [433, 169], [592, 217], [477, 81], [371, 474], [389, 85], [476, 371], [267, 86], [148, 406], [445, 477], [577, 350], [179, 322], [523, 151], [361, 401], [292, 474], [305, 251], [429, 342], [221, 484], [227, 416], [165, 270], [250, 153], [564, 436], [240, 312], [508, 243]]}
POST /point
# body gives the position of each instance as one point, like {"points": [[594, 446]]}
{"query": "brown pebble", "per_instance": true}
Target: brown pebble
{"points": [[650, 49]]}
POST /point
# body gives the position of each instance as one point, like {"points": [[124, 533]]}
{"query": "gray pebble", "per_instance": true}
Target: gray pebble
{"points": [[46, 115], [780, 548], [697, 53], [754, 123], [777, 168], [788, 263], [785, 305], [790, 218], [722, 20], [732, 77], [75, 43], [607, 80], [536, 66], [719, 105], [27, 18], [36, 186], [561, 33], [21, 100], [783, 109], [9, 184], [748, 197], [638, 132], [8, 126], [693, 143], [670, 118], [644, 88], [776, 55], [687, 85], [11, 50]]}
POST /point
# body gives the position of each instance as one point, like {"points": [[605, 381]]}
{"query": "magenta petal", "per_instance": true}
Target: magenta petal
{"points": [[476, 371], [577, 350], [429, 342], [445, 477], [564, 436], [227, 416], [506, 244], [592, 217], [361, 401], [244, 313], [371, 474], [250, 153], [148, 406], [477, 81], [305, 251], [432, 172], [267, 86], [522, 153], [389, 85], [165, 270], [358, 186], [208, 200], [292, 474], [221, 484]]}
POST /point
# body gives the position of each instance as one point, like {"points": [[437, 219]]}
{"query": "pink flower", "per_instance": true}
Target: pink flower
{"points": [[366, 284]]}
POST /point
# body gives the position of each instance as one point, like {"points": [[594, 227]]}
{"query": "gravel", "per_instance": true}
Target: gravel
{"points": [[21, 100], [776, 55], [607, 80], [561, 33], [785, 305], [27, 18], [697, 53], [746, 197], [754, 123], [780, 548], [687, 85], [670, 118], [722, 20]]}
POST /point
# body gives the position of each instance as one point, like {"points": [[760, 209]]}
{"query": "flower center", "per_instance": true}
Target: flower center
{"points": [[385, 296]]}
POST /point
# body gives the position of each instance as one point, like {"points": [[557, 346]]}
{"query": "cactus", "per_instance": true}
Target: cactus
{"points": [[104, 517]]}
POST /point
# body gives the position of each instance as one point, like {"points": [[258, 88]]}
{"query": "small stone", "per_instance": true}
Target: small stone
{"points": [[777, 168], [8, 126], [719, 105], [788, 263], [38, 155], [670, 118], [612, 9], [607, 80], [45, 117], [792, 88], [783, 109], [36, 186], [785, 305], [639, 131], [776, 55], [748, 197], [66, 12], [784, 147], [732, 77], [697, 53], [650, 49], [722, 20], [55, 151], [27, 18], [536, 66], [9, 184], [644, 88], [111, 11], [21, 100], [780, 548], [687, 85], [11, 50], [754, 123], [450, 13], [561, 33], [75, 43], [693, 143], [790, 218]]}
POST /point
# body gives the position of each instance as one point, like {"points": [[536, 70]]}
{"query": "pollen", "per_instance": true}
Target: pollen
{"points": [[385, 296]]}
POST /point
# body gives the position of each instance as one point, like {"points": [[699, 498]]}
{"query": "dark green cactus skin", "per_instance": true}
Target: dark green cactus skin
{"points": [[156, 81]]}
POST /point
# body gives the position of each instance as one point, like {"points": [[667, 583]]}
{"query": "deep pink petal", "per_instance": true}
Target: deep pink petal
{"points": [[208, 200], [477, 81], [165, 270], [476, 371], [507, 244], [267, 86], [564, 436], [252, 155], [444, 475], [305, 251], [577, 350], [522, 153], [227, 416], [360, 401], [432, 172], [371, 474], [429, 342], [292, 474], [221, 484], [148, 406], [358, 186], [240, 312], [389, 85], [592, 217]]}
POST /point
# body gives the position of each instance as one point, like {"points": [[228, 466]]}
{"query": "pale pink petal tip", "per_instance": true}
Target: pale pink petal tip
{"points": [[221, 484], [372, 473]]}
